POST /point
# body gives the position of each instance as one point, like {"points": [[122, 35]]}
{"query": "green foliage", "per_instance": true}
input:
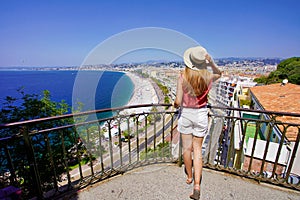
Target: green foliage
{"points": [[127, 135], [163, 88], [167, 99], [31, 107], [50, 148], [162, 150], [262, 79], [151, 118], [287, 69]]}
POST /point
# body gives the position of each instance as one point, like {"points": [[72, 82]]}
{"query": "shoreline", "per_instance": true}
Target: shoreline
{"points": [[143, 93]]}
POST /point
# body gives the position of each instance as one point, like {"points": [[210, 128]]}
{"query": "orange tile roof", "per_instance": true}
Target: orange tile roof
{"points": [[281, 99]]}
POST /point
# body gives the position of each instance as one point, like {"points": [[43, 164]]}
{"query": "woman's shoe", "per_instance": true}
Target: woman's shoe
{"points": [[195, 195], [196, 192]]}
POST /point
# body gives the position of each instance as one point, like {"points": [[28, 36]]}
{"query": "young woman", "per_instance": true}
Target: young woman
{"points": [[193, 85]]}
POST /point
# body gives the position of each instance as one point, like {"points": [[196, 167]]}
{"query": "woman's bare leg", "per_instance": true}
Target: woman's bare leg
{"points": [[187, 147], [197, 149]]}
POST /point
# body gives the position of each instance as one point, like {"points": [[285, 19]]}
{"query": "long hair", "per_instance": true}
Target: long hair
{"points": [[195, 82]]}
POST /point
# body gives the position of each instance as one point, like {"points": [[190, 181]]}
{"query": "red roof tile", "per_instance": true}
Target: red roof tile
{"points": [[279, 98]]}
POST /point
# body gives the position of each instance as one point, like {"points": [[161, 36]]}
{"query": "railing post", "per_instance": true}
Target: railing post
{"points": [[89, 150], [146, 137], [180, 157], [65, 160], [253, 146], [269, 132], [129, 139], [51, 161], [231, 151], [100, 149], [171, 135], [278, 152], [78, 153], [240, 152], [163, 136], [154, 129], [293, 156], [32, 162], [10, 165], [120, 142], [110, 146], [137, 138]]}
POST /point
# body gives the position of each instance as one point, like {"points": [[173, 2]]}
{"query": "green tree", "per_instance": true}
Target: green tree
{"points": [[162, 150], [286, 69], [29, 107], [153, 116], [262, 79], [167, 99]]}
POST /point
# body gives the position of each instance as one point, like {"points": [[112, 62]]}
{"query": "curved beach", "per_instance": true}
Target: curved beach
{"points": [[144, 92]]}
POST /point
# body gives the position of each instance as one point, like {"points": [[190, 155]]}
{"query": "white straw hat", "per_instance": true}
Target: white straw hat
{"points": [[194, 58]]}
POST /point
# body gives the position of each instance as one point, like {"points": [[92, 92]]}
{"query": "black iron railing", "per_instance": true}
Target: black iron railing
{"points": [[263, 146], [48, 157]]}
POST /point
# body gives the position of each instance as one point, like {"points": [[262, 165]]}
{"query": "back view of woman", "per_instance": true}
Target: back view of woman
{"points": [[193, 86]]}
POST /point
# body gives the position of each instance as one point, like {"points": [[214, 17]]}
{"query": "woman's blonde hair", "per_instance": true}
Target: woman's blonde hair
{"points": [[195, 82]]}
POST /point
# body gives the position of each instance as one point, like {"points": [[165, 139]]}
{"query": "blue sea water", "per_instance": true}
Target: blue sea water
{"points": [[113, 89]]}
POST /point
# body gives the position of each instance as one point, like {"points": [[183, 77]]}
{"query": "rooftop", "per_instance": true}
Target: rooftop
{"points": [[167, 181], [279, 98]]}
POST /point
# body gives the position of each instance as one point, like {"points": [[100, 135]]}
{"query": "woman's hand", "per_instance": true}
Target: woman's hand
{"points": [[208, 58], [216, 72], [175, 105]]}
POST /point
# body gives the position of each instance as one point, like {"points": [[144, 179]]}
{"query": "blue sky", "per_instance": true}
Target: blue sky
{"points": [[63, 32]]}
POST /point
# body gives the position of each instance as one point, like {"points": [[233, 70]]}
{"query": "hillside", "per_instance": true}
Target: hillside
{"points": [[286, 69]]}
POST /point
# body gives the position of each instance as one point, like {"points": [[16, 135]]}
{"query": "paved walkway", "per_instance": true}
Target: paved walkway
{"points": [[167, 181]]}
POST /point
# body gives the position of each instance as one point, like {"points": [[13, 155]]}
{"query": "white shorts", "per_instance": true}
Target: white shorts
{"points": [[193, 121]]}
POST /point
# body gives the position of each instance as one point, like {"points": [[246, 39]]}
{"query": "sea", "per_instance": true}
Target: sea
{"points": [[99, 89]]}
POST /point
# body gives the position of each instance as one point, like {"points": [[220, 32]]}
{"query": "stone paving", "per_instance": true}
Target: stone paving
{"points": [[167, 181]]}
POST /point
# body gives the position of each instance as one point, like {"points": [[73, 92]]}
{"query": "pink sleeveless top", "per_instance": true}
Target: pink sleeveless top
{"points": [[189, 101]]}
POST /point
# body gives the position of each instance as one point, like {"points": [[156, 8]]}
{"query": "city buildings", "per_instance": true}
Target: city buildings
{"points": [[280, 97], [272, 137], [229, 88]]}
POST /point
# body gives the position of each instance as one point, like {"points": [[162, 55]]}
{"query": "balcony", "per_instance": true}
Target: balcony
{"points": [[167, 181], [82, 155]]}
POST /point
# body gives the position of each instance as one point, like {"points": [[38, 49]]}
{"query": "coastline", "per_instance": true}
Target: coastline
{"points": [[144, 92]]}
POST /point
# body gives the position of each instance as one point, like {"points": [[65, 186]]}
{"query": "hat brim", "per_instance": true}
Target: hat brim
{"points": [[188, 62]]}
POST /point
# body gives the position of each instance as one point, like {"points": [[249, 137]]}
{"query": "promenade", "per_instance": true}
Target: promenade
{"points": [[167, 181]]}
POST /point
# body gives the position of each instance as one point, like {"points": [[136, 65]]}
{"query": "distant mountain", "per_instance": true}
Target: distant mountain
{"points": [[266, 61]]}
